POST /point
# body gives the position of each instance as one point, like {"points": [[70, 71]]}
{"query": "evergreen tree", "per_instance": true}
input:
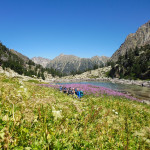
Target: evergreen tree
{"points": [[135, 64]]}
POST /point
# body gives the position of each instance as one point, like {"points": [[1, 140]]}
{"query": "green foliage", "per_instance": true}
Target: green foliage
{"points": [[95, 66], [110, 63], [34, 81], [82, 71], [135, 64], [35, 117], [53, 71], [76, 72], [107, 73]]}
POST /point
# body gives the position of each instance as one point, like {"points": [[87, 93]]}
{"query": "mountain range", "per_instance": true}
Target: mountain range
{"points": [[128, 60], [69, 63]]}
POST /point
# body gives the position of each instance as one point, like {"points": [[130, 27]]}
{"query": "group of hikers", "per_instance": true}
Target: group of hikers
{"points": [[75, 92]]}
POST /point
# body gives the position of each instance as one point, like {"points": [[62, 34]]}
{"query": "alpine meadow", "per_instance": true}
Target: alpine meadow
{"points": [[75, 75]]}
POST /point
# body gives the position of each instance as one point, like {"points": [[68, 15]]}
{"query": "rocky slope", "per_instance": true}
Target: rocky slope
{"points": [[133, 65], [138, 39], [41, 61], [24, 58], [98, 59]]}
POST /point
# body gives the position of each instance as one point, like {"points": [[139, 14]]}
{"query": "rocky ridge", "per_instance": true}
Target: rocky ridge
{"points": [[97, 59], [23, 57], [69, 63], [40, 60], [140, 38]]}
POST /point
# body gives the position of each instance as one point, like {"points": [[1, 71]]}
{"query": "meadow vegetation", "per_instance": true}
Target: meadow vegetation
{"points": [[38, 117]]}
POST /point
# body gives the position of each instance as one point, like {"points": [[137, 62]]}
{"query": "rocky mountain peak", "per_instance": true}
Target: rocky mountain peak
{"points": [[64, 58], [70, 63], [140, 38], [103, 59], [61, 55], [40, 60]]}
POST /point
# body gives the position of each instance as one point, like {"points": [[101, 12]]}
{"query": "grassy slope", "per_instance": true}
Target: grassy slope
{"points": [[34, 117]]}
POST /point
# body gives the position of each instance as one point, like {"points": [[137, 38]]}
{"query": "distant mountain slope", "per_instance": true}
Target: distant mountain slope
{"points": [[138, 39], [72, 64], [14, 60], [22, 64], [98, 59], [24, 58], [41, 61]]}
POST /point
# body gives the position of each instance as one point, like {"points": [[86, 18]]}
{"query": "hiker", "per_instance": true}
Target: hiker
{"points": [[69, 91], [60, 88], [79, 93], [65, 90], [73, 93], [76, 91]]}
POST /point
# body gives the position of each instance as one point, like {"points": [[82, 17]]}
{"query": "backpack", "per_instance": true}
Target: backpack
{"points": [[60, 88], [81, 93], [69, 91]]}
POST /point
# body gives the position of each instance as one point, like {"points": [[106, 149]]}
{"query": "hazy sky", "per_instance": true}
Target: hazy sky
{"points": [[84, 28]]}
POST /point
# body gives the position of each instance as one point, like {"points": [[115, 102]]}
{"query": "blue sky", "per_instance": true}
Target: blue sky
{"points": [[84, 28]]}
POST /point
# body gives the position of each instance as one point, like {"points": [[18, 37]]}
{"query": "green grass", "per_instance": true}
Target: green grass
{"points": [[34, 81], [34, 117]]}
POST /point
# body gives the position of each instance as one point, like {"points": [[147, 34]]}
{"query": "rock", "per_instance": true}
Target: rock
{"points": [[147, 84], [146, 102], [10, 73]]}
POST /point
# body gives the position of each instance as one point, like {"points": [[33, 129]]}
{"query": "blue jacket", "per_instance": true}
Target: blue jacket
{"points": [[60, 88], [79, 94]]}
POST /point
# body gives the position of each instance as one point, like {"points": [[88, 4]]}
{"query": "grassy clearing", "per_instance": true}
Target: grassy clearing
{"points": [[35, 117]]}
